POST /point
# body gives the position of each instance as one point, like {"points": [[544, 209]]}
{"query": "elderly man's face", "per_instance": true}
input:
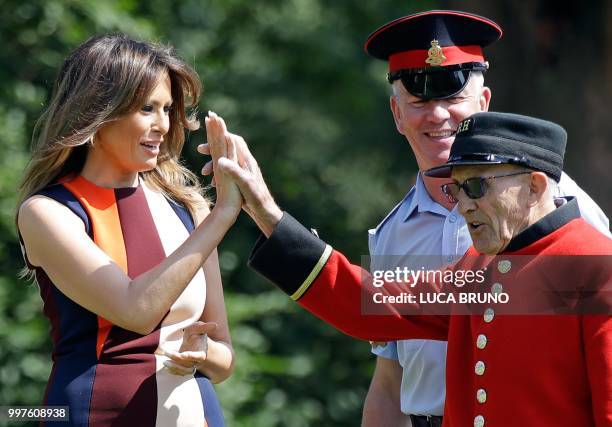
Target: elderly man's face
{"points": [[430, 126], [502, 213]]}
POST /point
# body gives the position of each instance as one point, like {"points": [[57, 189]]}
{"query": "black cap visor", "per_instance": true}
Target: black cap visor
{"points": [[445, 170], [436, 82]]}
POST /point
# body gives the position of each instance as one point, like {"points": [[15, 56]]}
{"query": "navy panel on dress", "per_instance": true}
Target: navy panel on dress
{"points": [[212, 408], [62, 195], [74, 330], [183, 214]]}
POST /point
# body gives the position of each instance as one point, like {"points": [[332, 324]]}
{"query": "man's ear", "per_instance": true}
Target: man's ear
{"points": [[397, 113], [485, 98], [538, 185]]}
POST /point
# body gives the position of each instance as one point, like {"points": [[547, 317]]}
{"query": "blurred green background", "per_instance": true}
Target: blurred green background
{"points": [[292, 77]]}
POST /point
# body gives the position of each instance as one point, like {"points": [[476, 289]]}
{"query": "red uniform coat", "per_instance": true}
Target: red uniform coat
{"points": [[502, 370]]}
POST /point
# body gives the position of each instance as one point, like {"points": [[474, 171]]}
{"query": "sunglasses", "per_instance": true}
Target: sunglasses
{"points": [[474, 188], [436, 82]]}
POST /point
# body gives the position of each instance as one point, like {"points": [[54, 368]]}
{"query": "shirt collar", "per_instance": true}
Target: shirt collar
{"points": [[422, 201], [566, 211]]}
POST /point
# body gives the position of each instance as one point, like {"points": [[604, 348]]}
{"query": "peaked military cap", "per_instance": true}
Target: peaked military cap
{"points": [[433, 52], [502, 138]]}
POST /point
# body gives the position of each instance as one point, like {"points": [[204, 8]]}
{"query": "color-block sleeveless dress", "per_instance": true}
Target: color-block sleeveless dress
{"points": [[107, 375]]}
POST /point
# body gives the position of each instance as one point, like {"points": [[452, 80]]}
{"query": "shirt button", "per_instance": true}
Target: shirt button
{"points": [[452, 219], [481, 341], [504, 266], [479, 368], [489, 314], [478, 421], [481, 395], [497, 288]]}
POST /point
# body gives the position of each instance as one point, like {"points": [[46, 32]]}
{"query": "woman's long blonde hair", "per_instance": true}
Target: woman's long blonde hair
{"points": [[102, 80]]}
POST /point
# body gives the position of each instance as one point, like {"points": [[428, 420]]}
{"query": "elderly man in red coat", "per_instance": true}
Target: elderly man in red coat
{"points": [[532, 368]]}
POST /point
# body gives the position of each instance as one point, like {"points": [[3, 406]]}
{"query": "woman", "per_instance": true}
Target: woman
{"points": [[106, 210]]}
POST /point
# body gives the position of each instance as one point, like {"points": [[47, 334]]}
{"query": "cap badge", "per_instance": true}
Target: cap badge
{"points": [[435, 56]]}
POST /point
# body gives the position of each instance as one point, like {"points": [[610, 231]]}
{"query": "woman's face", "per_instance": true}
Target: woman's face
{"points": [[131, 144]]}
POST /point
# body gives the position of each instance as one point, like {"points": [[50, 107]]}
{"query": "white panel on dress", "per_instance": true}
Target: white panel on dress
{"points": [[178, 397]]}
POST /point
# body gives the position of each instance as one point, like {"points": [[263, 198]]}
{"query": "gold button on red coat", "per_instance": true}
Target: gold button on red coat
{"points": [[497, 288], [504, 266], [481, 341], [479, 368]]}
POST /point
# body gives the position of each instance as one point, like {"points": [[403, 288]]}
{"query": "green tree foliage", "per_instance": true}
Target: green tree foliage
{"points": [[292, 78]]}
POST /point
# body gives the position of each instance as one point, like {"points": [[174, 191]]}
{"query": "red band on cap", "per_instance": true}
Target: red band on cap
{"points": [[454, 55]]}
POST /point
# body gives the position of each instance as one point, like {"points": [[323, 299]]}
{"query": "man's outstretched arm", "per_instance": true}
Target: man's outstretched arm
{"points": [[319, 278]]}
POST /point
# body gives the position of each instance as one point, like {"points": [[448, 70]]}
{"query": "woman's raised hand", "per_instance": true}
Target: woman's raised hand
{"points": [[220, 145]]}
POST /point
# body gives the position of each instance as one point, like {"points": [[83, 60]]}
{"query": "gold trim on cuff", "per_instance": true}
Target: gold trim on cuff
{"points": [[313, 274]]}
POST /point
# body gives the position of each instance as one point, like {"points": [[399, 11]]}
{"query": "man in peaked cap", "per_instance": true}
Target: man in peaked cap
{"points": [[436, 68], [501, 370], [433, 53]]}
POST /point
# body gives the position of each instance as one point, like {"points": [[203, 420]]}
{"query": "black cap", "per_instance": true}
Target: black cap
{"points": [[503, 138], [433, 52]]}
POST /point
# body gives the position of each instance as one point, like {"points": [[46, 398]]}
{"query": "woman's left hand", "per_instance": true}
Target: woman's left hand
{"points": [[193, 351]]}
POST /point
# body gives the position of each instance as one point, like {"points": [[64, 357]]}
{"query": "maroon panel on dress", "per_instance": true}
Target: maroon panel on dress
{"points": [[125, 378]]}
